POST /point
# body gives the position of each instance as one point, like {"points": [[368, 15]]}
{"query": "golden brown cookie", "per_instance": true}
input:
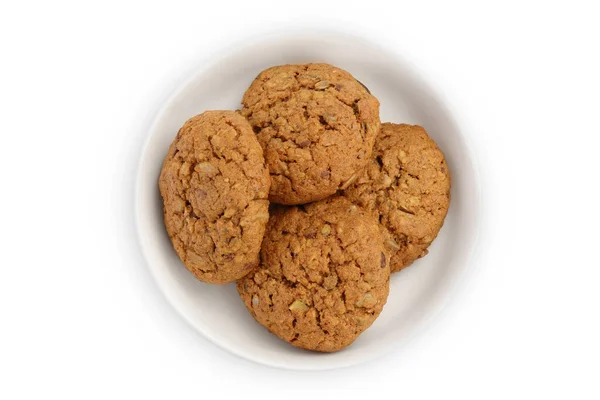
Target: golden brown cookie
{"points": [[323, 277], [214, 186], [317, 125], [408, 183]]}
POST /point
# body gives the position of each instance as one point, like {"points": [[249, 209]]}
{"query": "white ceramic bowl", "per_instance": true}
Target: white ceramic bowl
{"points": [[416, 294]]}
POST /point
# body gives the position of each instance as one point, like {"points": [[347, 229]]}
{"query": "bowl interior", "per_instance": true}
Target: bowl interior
{"points": [[416, 294]]}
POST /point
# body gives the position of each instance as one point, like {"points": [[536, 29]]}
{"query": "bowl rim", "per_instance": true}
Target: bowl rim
{"points": [[269, 36]]}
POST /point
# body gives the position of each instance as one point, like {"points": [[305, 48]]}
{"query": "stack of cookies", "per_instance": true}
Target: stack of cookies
{"points": [[306, 200]]}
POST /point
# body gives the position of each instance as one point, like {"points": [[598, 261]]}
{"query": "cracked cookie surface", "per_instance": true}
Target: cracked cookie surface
{"points": [[407, 183], [323, 277], [214, 185], [317, 125]]}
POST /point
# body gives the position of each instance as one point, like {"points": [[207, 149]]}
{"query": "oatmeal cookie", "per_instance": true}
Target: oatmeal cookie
{"points": [[407, 183], [316, 124], [323, 277], [214, 185]]}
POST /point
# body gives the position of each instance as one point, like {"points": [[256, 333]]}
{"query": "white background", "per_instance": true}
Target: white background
{"points": [[80, 83]]}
